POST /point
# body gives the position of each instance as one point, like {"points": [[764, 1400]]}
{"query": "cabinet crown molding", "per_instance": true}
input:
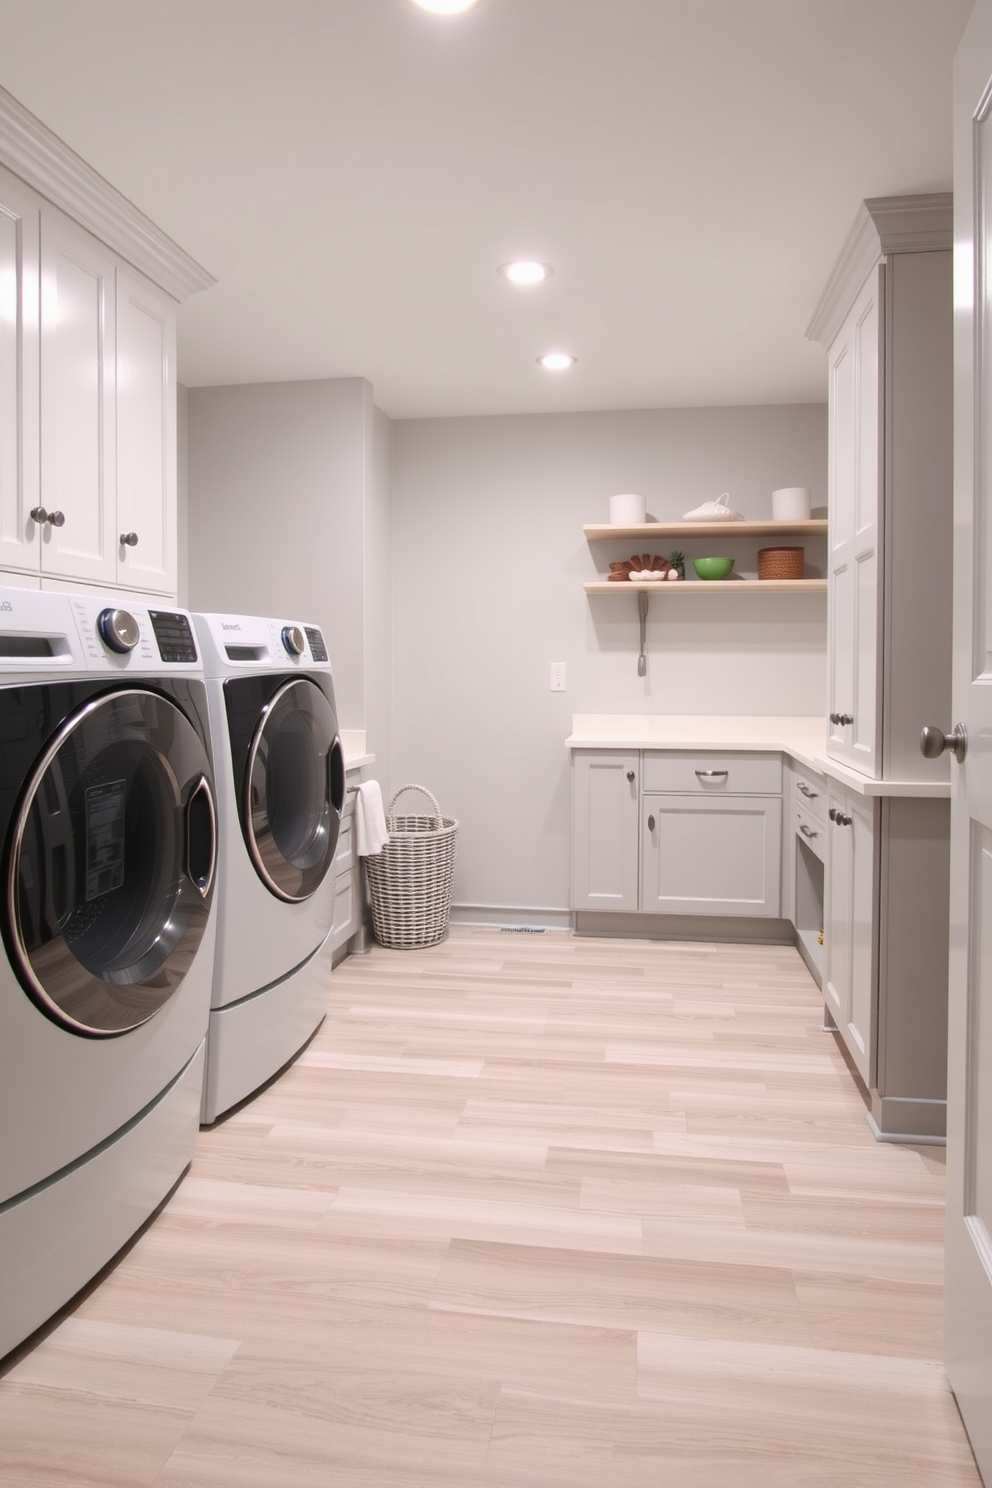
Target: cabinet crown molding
{"points": [[884, 224], [44, 162]]}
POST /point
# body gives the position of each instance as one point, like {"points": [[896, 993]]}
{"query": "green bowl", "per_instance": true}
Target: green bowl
{"points": [[712, 568]]}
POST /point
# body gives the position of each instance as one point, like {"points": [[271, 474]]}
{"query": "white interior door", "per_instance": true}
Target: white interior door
{"points": [[969, 1096]]}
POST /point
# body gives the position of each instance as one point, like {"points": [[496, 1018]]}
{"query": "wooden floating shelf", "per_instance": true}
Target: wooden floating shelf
{"points": [[705, 586], [815, 527]]}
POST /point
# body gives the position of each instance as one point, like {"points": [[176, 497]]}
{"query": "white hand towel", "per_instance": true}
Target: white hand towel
{"points": [[371, 835]]}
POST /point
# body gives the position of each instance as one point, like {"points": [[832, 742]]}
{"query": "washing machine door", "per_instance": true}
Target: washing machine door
{"points": [[111, 867], [294, 790]]}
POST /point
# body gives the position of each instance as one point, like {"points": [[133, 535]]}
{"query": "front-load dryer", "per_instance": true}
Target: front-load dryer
{"points": [[108, 832], [280, 797]]}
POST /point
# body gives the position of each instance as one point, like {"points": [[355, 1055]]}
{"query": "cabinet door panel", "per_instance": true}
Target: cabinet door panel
{"points": [[861, 1013], [20, 545], [78, 445], [146, 434], [855, 497], [703, 856], [604, 831], [837, 914]]}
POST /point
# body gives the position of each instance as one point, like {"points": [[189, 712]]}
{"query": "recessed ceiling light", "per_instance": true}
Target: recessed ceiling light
{"points": [[557, 361], [525, 271], [445, 7]]}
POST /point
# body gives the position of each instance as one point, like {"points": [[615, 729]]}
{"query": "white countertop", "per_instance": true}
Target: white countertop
{"points": [[355, 753], [804, 739]]}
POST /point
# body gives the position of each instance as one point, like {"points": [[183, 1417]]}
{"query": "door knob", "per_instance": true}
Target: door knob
{"points": [[630, 776], [56, 519], [38, 514], [933, 742], [129, 539]]}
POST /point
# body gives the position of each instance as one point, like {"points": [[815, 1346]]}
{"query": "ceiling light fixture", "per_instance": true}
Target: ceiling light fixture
{"points": [[525, 271], [557, 361], [445, 7]]}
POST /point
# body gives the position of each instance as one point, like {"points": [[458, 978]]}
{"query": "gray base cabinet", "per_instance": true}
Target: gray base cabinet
{"points": [[605, 820], [348, 930], [677, 833]]}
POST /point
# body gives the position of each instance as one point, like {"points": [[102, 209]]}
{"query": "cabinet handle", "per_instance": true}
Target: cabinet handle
{"points": [[807, 831], [807, 791], [129, 539], [630, 776], [841, 819], [56, 519], [712, 774], [832, 813], [38, 514], [842, 718], [650, 823]]}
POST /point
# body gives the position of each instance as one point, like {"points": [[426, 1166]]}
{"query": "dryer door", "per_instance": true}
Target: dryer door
{"points": [[111, 865], [294, 790]]}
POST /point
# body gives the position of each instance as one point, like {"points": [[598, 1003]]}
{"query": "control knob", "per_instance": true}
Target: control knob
{"points": [[294, 640], [119, 630]]}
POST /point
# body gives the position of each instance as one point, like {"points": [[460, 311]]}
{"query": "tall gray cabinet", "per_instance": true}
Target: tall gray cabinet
{"points": [[885, 322]]}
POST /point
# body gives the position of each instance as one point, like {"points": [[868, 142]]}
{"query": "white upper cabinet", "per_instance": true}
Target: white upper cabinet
{"points": [[885, 321], [855, 492], [78, 403], [89, 290], [146, 436], [20, 536]]}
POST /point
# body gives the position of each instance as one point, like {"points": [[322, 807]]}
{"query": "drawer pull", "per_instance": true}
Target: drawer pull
{"points": [[807, 831], [712, 774], [807, 790]]}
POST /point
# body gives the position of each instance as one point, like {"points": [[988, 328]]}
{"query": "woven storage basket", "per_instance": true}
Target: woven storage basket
{"points": [[410, 880], [781, 563]]}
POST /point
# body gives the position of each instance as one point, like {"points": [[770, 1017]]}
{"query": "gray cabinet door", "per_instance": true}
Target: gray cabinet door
{"points": [[711, 855], [604, 830]]}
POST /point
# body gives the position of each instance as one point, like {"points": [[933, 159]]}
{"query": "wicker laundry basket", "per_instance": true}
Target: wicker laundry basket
{"points": [[410, 880]]}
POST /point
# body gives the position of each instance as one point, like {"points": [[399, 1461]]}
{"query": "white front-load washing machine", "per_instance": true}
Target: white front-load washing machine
{"points": [[108, 832], [280, 798]]}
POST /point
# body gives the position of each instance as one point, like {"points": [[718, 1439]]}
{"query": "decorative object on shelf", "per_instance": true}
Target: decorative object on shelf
{"points": [[781, 563], [677, 559], [712, 568], [642, 568], [627, 511], [791, 504], [714, 511]]}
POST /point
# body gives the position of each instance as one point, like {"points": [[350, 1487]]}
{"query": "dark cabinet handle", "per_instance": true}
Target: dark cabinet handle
{"points": [[630, 776], [650, 823]]}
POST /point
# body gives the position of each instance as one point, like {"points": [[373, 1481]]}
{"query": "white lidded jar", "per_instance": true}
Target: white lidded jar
{"points": [[628, 511], [791, 504]]}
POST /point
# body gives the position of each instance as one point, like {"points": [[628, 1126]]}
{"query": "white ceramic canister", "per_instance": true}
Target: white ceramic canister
{"points": [[791, 504], [628, 511]]}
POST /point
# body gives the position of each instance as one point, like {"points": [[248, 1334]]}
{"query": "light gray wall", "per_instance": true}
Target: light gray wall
{"points": [[488, 563], [182, 495], [277, 477], [379, 599]]}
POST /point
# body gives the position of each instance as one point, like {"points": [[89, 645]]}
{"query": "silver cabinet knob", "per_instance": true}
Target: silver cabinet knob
{"points": [[807, 831], [38, 514], [129, 539], [630, 776], [55, 519], [933, 742], [842, 718]]}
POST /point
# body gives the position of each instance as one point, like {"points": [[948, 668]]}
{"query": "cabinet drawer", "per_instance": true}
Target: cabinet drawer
{"points": [[344, 853], [810, 795], [811, 830], [713, 774]]}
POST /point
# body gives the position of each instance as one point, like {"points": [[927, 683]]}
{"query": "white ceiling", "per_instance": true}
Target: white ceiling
{"points": [[354, 171]]}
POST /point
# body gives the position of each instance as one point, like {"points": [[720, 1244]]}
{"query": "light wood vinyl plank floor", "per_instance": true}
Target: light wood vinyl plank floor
{"points": [[529, 1210]]}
